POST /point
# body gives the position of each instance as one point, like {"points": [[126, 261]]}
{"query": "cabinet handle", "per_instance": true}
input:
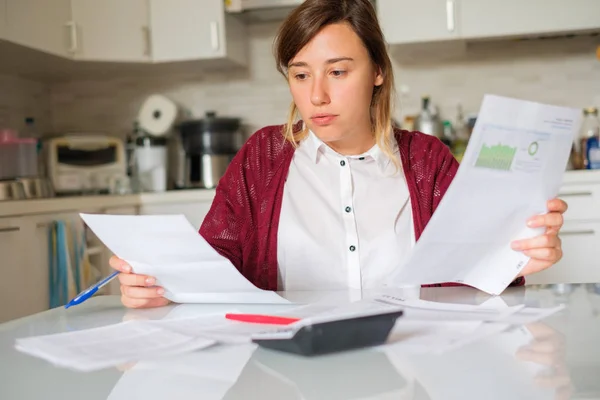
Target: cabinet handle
{"points": [[450, 17], [214, 35], [147, 41], [73, 36], [575, 194], [581, 232], [10, 229]]}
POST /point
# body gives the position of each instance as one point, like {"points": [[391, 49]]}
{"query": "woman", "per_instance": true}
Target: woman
{"points": [[337, 199]]}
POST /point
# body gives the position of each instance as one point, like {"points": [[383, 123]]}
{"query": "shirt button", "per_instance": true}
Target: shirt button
{"points": [[352, 248], [348, 209], [342, 163], [361, 158]]}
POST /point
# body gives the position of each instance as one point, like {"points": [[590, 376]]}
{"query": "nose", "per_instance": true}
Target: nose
{"points": [[319, 94]]}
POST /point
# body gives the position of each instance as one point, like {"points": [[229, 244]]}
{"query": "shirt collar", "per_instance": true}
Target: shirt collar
{"points": [[317, 148]]}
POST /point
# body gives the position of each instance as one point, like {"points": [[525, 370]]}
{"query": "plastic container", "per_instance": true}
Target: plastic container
{"points": [[18, 156]]}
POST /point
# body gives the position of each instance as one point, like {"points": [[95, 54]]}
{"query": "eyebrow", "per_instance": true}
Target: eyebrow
{"points": [[330, 61]]}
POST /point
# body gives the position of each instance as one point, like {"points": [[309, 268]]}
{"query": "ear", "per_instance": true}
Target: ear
{"points": [[378, 77]]}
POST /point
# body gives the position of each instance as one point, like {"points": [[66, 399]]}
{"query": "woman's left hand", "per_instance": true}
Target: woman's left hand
{"points": [[544, 250]]}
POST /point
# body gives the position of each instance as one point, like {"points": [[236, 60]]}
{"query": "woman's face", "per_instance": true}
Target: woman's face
{"points": [[332, 80]]}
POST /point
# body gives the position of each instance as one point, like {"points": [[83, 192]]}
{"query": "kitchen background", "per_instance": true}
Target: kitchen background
{"points": [[86, 67], [561, 71]]}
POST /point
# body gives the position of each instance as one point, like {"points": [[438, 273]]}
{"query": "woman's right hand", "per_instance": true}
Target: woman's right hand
{"points": [[137, 291]]}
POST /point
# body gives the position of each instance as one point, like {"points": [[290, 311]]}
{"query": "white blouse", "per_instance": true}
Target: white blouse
{"points": [[346, 221]]}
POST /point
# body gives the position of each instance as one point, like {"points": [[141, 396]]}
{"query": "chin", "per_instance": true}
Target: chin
{"points": [[327, 133]]}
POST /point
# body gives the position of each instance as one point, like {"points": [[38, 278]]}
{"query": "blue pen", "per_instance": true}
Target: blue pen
{"points": [[89, 292]]}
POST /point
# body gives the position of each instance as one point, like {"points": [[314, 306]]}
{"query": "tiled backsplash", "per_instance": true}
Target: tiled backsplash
{"points": [[20, 99], [558, 71]]}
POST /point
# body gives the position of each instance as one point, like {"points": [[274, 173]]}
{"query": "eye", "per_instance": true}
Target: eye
{"points": [[338, 73], [300, 76]]}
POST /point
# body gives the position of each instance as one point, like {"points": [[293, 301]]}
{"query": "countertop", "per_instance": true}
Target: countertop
{"points": [[87, 203], [562, 351]]}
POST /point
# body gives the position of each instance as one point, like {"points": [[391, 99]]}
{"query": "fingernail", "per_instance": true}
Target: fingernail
{"points": [[534, 222], [160, 291], [127, 268], [150, 281], [516, 245]]}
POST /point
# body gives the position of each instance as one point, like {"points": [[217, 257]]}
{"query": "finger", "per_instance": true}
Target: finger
{"points": [[144, 303], [552, 381], [118, 264], [136, 292], [557, 205], [539, 358], [534, 266], [553, 219], [540, 330], [538, 242], [549, 254], [136, 280], [549, 345]]}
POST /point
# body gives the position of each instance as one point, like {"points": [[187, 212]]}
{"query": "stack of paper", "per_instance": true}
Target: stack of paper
{"points": [[427, 327]]}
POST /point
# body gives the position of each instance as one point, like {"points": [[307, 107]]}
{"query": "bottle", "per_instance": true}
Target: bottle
{"points": [[590, 133], [427, 121], [589, 138], [461, 135]]}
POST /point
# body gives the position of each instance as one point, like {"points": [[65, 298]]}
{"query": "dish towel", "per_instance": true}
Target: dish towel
{"points": [[66, 250]]}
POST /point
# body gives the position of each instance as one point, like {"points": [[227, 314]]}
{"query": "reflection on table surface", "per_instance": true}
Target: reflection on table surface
{"points": [[557, 358]]}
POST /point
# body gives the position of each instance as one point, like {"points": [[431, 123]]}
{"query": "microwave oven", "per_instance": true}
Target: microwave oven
{"points": [[84, 163]]}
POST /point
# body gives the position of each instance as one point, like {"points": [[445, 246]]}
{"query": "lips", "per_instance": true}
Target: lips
{"points": [[323, 119]]}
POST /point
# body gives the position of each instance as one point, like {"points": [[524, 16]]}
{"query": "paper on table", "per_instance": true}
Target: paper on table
{"points": [[98, 348], [513, 165], [107, 346], [168, 248]]}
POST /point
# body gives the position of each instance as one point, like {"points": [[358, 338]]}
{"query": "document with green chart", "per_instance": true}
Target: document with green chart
{"points": [[514, 163]]}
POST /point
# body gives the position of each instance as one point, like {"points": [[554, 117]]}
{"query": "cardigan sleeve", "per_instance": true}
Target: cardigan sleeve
{"points": [[224, 223]]}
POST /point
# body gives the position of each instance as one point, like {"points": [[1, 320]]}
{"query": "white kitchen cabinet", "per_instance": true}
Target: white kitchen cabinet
{"points": [[411, 21], [2, 19], [580, 234], [14, 280], [194, 212], [111, 30], [581, 259], [490, 18], [40, 24], [184, 30]]}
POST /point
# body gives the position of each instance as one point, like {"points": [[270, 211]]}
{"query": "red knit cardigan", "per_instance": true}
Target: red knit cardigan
{"points": [[243, 219]]}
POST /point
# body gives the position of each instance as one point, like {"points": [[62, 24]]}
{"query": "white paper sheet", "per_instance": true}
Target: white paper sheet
{"points": [[168, 248], [98, 348], [513, 165]]}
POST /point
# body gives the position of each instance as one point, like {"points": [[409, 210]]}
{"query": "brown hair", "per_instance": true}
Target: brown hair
{"points": [[305, 22]]}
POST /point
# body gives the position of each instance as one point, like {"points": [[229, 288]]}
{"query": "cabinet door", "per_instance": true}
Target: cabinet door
{"points": [[13, 245], [2, 19], [40, 24], [187, 29], [581, 259], [111, 30], [410, 21], [488, 18]]}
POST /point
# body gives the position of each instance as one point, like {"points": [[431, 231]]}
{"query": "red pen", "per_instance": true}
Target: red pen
{"points": [[262, 319]]}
